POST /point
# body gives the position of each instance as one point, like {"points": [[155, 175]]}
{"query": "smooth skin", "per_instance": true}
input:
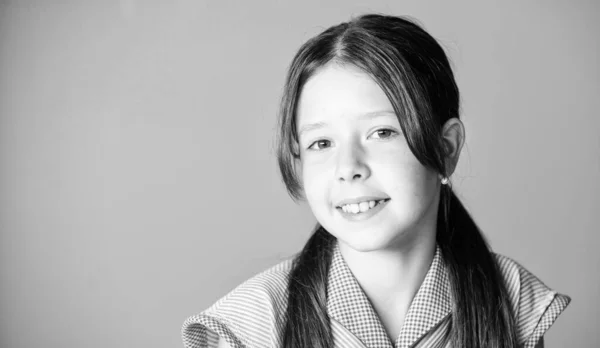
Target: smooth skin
{"points": [[351, 146]]}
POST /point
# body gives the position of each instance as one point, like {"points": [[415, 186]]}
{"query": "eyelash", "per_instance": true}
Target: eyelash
{"points": [[310, 147], [392, 134]]}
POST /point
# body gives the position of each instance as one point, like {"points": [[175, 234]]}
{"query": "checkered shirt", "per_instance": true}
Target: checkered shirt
{"points": [[252, 315], [349, 305]]}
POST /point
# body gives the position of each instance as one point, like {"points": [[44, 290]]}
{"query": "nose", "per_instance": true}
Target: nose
{"points": [[351, 165]]}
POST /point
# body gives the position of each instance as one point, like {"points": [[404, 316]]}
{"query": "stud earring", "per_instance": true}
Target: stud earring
{"points": [[445, 180]]}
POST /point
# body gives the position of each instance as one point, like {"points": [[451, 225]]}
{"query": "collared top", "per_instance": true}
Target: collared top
{"points": [[252, 315]]}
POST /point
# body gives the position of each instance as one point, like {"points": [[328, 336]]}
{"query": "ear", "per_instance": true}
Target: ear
{"points": [[453, 133], [297, 167], [295, 150]]}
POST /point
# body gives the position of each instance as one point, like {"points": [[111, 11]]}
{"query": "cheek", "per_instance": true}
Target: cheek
{"points": [[407, 177], [315, 183]]}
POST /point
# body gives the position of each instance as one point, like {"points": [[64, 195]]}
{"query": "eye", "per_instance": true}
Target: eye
{"points": [[320, 145], [383, 133]]}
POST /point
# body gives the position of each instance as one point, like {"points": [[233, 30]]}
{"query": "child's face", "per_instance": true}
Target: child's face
{"points": [[361, 180]]}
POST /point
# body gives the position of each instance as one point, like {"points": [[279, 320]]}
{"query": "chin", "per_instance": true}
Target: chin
{"points": [[363, 247], [365, 241]]}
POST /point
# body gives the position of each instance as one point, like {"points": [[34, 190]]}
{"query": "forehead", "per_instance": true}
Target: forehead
{"points": [[340, 91]]}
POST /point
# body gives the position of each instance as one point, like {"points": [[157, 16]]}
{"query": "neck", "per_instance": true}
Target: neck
{"points": [[391, 272], [391, 277]]}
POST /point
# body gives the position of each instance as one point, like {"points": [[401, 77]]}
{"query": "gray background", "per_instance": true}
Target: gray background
{"points": [[137, 176]]}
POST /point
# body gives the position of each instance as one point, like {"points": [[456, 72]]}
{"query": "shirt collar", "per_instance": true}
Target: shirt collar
{"points": [[348, 304]]}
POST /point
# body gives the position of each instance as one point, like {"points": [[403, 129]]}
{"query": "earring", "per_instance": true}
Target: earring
{"points": [[445, 180]]}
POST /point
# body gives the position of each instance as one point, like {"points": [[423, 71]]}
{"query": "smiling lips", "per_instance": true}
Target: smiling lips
{"points": [[360, 205]]}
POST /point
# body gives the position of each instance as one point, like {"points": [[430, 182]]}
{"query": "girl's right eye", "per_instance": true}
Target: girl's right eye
{"points": [[320, 145]]}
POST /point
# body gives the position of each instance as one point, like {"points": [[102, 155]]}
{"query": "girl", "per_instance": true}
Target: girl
{"points": [[369, 135]]}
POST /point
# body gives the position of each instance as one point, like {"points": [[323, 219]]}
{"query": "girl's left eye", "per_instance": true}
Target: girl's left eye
{"points": [[383, 133]]}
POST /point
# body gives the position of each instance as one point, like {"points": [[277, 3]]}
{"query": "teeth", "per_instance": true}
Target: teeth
{"points": [[361, 207], [364, 206]]}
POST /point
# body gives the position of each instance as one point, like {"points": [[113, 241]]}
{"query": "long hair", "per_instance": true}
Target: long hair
{"points": [[413, 71]]}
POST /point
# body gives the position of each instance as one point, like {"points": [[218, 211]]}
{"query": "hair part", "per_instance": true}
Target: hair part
{"points": [[415, 74]]}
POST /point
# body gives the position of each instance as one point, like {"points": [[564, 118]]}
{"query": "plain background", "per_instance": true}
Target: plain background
{"points": [[138, 181]]}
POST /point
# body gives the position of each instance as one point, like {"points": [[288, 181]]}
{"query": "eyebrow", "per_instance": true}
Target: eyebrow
{"points": [[369, 115], [378, 114]]}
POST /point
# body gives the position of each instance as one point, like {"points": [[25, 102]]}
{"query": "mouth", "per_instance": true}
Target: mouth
{"points": [[361, 207]]}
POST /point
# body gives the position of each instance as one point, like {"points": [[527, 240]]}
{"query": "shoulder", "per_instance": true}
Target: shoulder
{"points": [[250, 315], [534, 304]]}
